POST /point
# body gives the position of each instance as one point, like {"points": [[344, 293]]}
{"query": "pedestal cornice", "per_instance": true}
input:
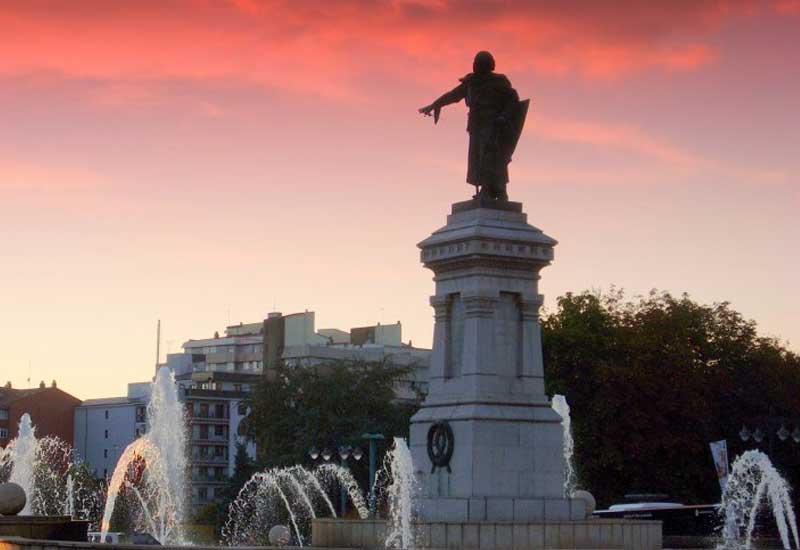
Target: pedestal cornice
{"points": [[487, 237]]}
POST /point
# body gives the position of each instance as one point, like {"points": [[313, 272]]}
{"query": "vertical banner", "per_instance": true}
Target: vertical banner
{"points": [[719, 450]]}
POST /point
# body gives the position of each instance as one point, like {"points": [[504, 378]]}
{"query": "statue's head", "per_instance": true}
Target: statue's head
{"points": [[484, 63]]}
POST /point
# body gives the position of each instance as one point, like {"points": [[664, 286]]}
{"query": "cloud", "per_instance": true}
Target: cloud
{"points": [[789, 7], [333, 48], [623, 137]]}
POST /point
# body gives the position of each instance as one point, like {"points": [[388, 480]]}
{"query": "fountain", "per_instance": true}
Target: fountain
{"points": [[292, 494], [22, 454], [152, 468], [298, 496], [401, 497], [43, 468], [561, 406], [754, 482]]}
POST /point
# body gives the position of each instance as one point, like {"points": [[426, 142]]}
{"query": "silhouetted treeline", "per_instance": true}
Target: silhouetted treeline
{"points": [[651, 381]]}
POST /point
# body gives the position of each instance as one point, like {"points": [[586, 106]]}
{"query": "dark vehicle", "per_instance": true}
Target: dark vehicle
{"points": [[677, 519]]}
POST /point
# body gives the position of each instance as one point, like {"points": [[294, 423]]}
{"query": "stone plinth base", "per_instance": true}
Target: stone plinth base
{"points": [[44, 527], [501, 509], [607, 533]]}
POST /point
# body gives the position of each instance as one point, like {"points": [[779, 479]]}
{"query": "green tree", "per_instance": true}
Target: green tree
{"points": [[652, 381], [297, 408], [244, 468], [89, 494], [216, 513]]}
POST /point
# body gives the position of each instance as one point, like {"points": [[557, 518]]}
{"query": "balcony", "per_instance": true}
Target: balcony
{"points": [[208, 418], [208, 459], [208, 437], [209, 480], [200, 440]]}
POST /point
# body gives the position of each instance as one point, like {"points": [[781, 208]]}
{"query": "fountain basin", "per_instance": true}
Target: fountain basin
{"points": [[591, 533], [16, 543], [62, 528]]}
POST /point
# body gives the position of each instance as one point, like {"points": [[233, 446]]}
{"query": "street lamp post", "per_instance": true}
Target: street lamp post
{"points": [[373, 466]]}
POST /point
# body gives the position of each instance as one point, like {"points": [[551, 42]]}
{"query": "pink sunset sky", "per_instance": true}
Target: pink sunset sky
{"points": [[200, 161]]}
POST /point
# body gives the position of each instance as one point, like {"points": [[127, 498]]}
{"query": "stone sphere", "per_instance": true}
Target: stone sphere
{"points": [[591, 503], [12, 499], [279, 535]]}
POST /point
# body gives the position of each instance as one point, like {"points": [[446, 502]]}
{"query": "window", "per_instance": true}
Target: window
{"points": [[204, 410], [3, 414], [106, 415], [203, 494], [3, 433], [204, 431], [219, 451], [219, 410], [105, 453], [237, 387], [105, 435], [242, 409], [219, 431]]}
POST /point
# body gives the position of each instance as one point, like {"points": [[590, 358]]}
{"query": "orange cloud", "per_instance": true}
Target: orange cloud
{"points": [[789, 7], [622, 137], [332, 48]]}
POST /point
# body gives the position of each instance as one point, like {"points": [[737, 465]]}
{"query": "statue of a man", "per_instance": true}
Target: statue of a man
{"points": [[495, 122]]}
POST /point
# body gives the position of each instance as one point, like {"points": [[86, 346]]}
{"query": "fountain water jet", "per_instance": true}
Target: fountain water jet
{"points": [[57, 486], [22, 454], [294, 493], [561, 406], [40, 467], [69, 505], [312, 481], [401, 495], [753, 479], [153, 467], [334, 472]]}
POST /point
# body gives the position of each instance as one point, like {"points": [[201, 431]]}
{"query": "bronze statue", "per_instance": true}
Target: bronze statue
{"points": [[496, 117]]}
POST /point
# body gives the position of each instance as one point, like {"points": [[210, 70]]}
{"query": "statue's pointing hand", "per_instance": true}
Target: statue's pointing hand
{"points": [[428, 109]]}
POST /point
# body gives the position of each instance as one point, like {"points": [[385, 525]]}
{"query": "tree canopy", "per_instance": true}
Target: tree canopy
{"points": [[651, 381], [297, 408]]}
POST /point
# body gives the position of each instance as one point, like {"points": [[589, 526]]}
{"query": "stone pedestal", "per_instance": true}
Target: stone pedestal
{"points": [[486, 376]]}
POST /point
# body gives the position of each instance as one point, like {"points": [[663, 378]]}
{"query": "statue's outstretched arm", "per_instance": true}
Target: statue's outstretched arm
{"points": [[453, 96]]}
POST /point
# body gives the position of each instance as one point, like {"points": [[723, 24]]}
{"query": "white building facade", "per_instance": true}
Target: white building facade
{"points": [[105, 427]]}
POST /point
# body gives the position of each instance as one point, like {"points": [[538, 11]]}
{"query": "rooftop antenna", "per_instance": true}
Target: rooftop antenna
{"points": [[29, 373], [158, 343]]}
